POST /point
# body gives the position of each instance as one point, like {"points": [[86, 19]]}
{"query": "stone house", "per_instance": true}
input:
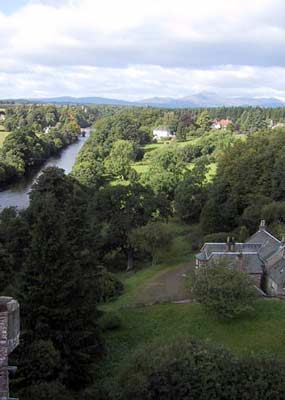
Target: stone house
{"points": [[262, 256]]}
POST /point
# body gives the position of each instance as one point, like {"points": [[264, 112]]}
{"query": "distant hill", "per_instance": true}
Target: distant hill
{"points": [[203, 99], [213, 100], [82, 100]]}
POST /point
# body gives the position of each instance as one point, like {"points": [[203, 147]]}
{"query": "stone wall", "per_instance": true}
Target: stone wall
{"points": [[4, 378], [9, 339]]}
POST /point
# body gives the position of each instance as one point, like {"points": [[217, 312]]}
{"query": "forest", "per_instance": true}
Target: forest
{"points": [[131, 207], [34, 133]]}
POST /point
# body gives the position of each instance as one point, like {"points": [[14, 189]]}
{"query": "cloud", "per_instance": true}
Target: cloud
{"points": [[140, 81], [212, 43]]}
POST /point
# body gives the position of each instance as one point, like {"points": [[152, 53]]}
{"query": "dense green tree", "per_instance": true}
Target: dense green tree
{"points": [[203, 121], [57, 295], [14, 241], [225, 291], [190, 195], [118, 163], [119, 210], [151, 238], [167, 166], [187, 369]]}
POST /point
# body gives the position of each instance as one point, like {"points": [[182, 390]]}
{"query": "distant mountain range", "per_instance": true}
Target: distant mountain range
{"points": [[203, 99], [212, 100]]}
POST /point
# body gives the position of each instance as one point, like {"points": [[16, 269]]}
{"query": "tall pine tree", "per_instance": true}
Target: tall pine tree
{"points": [[60, 333]]}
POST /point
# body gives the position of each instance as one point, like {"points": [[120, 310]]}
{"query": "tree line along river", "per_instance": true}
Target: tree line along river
{"points": [[17, 194]]}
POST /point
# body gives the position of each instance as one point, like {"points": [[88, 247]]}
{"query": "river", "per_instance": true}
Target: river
{"points": [[17, 194]]}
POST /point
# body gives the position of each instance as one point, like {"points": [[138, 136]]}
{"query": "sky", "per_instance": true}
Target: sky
{"points": [[134, 49]]}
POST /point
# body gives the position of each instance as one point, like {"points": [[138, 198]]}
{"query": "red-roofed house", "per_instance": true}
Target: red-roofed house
{"points": [[221, 124]]}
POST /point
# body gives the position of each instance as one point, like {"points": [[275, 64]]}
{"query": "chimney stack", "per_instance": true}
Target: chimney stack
{"points": [[233, 244], [228, 244], [240, 263], [262, 225]]}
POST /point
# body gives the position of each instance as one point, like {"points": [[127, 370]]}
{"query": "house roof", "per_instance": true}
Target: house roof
{"points": [[224, 122], [210, 248], [277, 272], [261, 249], [269, 243], [251, 261]]}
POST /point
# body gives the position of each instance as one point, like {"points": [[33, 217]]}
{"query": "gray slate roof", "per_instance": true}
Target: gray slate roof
{"points": [[255, 251], [277, 272], [269, 243], [251, 261]]}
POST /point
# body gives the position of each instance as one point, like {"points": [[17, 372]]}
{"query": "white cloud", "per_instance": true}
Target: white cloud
{"points": [[139, 81], [154, 47]]}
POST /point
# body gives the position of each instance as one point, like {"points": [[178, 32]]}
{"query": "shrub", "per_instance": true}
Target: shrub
{"points": [[46, 391], [225, 291], [191, 370], [109, 321], [108, 285], [216, 237]]}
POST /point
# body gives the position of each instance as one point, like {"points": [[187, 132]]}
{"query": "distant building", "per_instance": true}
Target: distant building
{"points": [[278, 125], [262, 256], [221, 124], [162, 133], [2, 115], [47, 129]]}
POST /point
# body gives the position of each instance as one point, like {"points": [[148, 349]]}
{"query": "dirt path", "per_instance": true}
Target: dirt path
{"points": [[167, 286]]}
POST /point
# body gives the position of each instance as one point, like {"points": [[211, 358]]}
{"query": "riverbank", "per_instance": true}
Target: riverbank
{"points": [[17, 193]]}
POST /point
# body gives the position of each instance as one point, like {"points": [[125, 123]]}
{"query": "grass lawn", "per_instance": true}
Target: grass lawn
{"points": [[260, 332], [142, 166], [172, 258]]}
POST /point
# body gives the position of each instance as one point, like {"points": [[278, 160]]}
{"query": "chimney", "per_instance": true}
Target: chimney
{"points": [[228, 244], [233, 244], [240, 264], [262, 226]]}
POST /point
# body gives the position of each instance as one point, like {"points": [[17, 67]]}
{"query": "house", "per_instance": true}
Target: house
{"points": [[47, 129], [262, 256], [278, 125], [2, 115], [221, 124], [163, 133]]}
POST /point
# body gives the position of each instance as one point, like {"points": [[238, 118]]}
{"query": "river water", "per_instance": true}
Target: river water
{"points": [[17, 194]]}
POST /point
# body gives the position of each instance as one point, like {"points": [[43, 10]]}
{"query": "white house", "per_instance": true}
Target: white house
{"points": [[162, 133], [278, 125], [2, 116]]}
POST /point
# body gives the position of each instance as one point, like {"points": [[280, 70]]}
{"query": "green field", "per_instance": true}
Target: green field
{"points": [[142, 166], [3, 134]]}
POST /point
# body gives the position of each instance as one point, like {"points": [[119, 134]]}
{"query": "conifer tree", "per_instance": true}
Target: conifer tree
{"points": [[60, 333]]}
